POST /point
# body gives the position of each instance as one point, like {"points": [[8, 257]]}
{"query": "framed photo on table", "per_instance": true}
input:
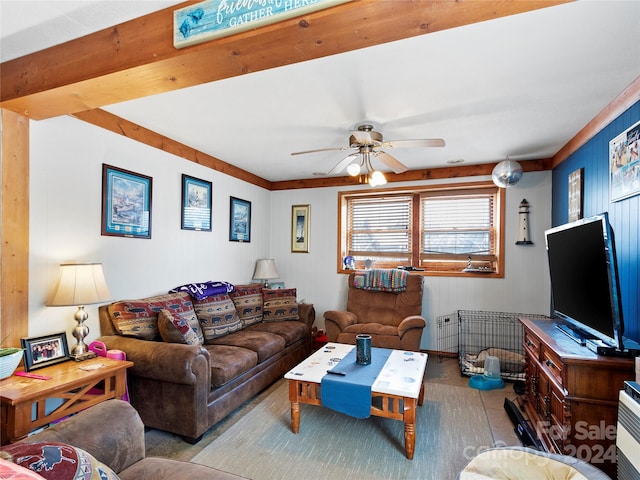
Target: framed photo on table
{"points": [[196, 204], [300, 228], [126, 203], [239, 220], [44, 351]]}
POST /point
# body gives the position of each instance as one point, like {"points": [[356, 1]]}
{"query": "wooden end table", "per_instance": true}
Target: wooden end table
{"points": [[79, 385], [400, 386]]}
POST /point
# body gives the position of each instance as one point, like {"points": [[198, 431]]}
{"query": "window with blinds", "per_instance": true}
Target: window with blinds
{"points": [[379, 229], [457, 231], [443, 230]]}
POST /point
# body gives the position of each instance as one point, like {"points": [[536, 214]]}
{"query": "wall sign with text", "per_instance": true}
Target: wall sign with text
{"points": [[218, 18]]}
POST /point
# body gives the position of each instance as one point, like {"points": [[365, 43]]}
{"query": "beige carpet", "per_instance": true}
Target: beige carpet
{"points": [[451, 428]]}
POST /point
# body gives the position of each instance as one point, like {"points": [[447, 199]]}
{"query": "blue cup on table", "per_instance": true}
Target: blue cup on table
{"points": [[363, 349]]}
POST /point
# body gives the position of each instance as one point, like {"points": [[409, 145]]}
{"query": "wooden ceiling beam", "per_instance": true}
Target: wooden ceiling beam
{"points": [[137, 58]]}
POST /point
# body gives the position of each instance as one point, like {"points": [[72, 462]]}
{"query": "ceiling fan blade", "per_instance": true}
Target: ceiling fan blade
{"points": [[338, 167], [425, 142], [390, 162], [321, 150]]}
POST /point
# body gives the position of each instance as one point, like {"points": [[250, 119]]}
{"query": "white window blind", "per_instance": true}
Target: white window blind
{"points": [[457, 225], [379, 227]]}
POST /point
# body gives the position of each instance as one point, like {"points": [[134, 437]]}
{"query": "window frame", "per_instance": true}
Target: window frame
{"points": [[417, 192]]}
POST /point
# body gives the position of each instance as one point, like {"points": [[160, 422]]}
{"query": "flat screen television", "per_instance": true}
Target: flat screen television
{"points": [[585, 290]]}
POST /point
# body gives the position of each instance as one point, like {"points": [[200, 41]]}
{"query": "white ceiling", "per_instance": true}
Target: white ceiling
{"points": [[520, 86]]}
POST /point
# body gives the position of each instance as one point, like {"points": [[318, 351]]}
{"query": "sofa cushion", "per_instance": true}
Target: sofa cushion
{"points": [[180, 327], [59, 461], [280, 304], [229, 362], [290, 330], [139, 318], [248, 300], [265, 344], [217, 315]]}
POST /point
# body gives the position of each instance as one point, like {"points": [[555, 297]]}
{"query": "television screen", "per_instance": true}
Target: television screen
{"points": [[584, 278]]}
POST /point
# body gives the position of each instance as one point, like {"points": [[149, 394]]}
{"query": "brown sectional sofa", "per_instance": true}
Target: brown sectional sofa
{"points": [[187, 388]]}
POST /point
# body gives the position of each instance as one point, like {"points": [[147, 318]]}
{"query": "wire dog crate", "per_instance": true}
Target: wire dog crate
{"points": [[498, 334], [447, 334]]}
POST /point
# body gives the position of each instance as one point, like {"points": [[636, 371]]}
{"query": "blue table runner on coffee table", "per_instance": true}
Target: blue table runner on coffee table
{"points": [[351, 393]]}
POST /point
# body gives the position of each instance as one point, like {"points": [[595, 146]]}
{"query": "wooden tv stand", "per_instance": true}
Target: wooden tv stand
{"points": [[571, 394]]}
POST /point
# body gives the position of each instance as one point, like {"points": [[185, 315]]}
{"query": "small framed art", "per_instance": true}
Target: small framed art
{"points": [[300, 228], [239, 220], [576, 183], [126, 203], [196, 204], [44, 351]]}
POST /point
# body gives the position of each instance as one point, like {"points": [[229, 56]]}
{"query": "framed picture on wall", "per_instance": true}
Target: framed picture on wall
{"points": [[239, 220], [624, 164], [196, 204], [576, 183], [126, 203], [300, 228]]}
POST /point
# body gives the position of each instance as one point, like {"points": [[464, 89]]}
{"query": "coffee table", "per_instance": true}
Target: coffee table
{"points": [[394, 394]]}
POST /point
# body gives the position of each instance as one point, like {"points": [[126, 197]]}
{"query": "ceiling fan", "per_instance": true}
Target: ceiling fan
{"points": [[367, 142]]}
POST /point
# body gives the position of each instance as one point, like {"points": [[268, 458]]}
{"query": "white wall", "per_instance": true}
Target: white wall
{"points": [[65, 221], [524, 289]]}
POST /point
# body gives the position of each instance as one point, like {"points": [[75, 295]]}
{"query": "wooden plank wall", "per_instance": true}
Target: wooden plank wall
{"points": [[14, 224]]}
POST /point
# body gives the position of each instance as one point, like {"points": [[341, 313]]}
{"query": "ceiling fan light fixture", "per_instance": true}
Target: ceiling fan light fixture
{"points": [[507, 173], [377, 178], [353, 169]]}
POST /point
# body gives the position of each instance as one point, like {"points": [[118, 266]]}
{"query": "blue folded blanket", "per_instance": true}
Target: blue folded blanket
{"points": [[203, 290], [351, 393]]}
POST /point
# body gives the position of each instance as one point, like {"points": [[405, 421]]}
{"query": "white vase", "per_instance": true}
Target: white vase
{"points": [[9, 363]]}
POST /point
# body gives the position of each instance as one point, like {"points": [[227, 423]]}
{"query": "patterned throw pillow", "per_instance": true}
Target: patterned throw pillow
{"points": [[180, 327], [249, 301], [139, 318], [280, 305], [58, 461], [217, 316]]}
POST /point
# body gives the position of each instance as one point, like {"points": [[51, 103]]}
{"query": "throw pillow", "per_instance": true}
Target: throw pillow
{"points": [[180, 327], [59, 461], [217, 315], [280, 304], [139, 318], [249, 301]]}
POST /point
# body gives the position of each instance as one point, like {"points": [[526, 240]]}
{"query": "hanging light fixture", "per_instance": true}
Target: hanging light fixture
{"points": [[367, 173], [507, 173]]}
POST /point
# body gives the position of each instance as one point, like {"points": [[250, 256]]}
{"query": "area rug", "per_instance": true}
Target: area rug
{"points": [[451, 428]]}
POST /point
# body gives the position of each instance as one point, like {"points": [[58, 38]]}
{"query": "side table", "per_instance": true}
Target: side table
{"points": [[79, 385]]}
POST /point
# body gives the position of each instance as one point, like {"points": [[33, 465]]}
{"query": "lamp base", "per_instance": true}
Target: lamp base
{"points": [[80, 332]]}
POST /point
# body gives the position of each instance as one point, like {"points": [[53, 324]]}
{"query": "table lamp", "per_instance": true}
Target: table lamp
{"points": [[80, 284], [265, 270]]}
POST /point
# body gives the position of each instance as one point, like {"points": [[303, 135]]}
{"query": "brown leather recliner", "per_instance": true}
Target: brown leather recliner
{"points": [[392, 319]]}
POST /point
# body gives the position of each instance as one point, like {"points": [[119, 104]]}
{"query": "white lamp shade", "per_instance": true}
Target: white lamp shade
{"points": [[81, 284], [265, 269]]}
